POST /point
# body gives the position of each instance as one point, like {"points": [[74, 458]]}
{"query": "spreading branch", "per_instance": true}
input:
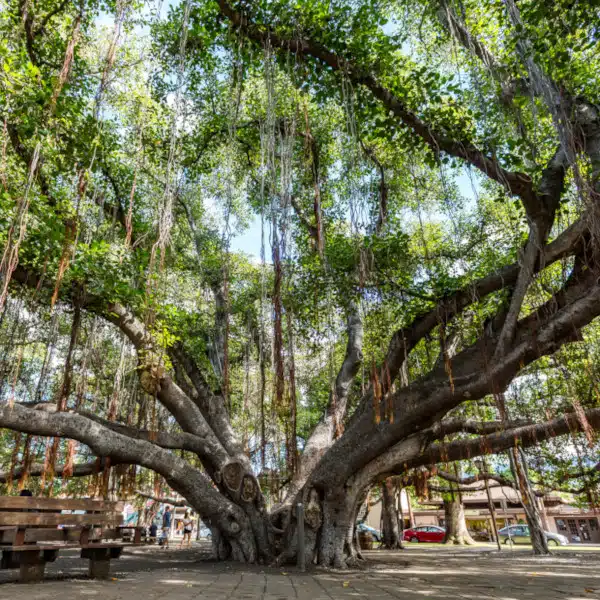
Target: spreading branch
{"points": [[516, 183], [526, 435], [186, 480]]}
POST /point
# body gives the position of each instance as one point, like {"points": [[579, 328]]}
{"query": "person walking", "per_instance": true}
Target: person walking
{"points": [[166, 526], [188, 526]]}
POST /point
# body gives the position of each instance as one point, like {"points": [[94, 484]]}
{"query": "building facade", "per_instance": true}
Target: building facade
{"points": [[558, 516]]}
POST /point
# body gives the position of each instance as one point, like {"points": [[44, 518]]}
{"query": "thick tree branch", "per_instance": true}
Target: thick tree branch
{"points": [[37, 470], [211, 405], [179, 474], [541, 219], [526, 435], [164, 499], [475, 478], [419, 405], [405, 339], [324, 433], [471, 425], [156, 380], [154, 377], [169, 441]]}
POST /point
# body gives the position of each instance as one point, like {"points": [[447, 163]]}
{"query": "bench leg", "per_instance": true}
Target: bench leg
{"points": [[99, 562], [9, 560], [99, 568], [31, 566]]}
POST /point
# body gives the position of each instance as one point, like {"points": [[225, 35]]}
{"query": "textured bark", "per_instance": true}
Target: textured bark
{"points": [[334, 473], [324, 433], [391, 531], [518, 467], [37, 469], [456, 526]]}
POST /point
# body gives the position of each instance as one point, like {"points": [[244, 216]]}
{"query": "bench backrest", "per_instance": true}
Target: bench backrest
{"points": [[28, 511]]}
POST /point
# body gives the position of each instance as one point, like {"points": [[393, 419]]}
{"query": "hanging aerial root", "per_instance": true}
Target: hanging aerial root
{"points": [[26, 461], [13, 460], [71, 229], [69, 460], [376, 387], [66, 67]]}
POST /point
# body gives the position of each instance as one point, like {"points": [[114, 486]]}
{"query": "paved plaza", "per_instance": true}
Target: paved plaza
{"points": [[433, 573]]}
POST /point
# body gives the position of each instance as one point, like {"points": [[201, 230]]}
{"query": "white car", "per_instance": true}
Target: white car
{"points": [[519, 534]]}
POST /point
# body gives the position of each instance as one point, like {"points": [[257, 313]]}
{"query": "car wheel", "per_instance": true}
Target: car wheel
{"points": [[552, 543], [508, 541], [414, 540]]}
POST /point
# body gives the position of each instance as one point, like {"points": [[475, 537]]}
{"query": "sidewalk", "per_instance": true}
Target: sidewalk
{"points": [[432, 574]]}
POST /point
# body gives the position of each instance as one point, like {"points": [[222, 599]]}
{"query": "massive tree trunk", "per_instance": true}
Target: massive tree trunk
{"points": [[391, 532], [391, 430], [456, 525]]}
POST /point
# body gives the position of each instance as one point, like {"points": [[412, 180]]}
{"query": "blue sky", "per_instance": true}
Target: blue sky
{"points": [[249, 242]]}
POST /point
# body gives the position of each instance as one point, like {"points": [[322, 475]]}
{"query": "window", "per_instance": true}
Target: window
{"points": [[594, 524], [585, 533], [561, 525], [572, 527]]}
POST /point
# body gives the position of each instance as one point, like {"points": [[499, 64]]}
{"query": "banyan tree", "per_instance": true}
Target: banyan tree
{"points": [[420, 185]]}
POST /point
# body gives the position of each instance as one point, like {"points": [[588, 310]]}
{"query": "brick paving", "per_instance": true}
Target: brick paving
{"points": [[432, 573]]}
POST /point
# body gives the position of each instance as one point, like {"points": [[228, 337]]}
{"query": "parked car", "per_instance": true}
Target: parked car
{"points": [[480, 535], [363, 527], [425, 533], [519, 534], [205, 532]]}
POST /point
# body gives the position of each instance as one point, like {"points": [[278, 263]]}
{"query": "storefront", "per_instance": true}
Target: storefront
{"points": [[581, 528], [558, 516]]}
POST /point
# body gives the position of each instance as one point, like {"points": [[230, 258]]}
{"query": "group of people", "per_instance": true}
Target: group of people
{"points": [[187, 526]]}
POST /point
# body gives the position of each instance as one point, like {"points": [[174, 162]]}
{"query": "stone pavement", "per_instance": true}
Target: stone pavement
{"points": [[432, 573]]}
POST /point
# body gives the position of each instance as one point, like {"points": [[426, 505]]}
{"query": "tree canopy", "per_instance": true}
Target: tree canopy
{"points": [[274, 251]]}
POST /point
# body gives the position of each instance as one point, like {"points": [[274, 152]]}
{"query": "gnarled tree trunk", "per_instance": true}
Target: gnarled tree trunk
{"points": [[391, 532], [456, 525], [391, 430]]}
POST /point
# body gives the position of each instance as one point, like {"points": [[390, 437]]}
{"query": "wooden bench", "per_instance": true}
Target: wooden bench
{"points": [[33, 531]]}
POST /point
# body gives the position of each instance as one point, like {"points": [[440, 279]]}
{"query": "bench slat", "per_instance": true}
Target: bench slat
{"points": [[34, 503], [28, 519], [40, 534], [67, 546]]}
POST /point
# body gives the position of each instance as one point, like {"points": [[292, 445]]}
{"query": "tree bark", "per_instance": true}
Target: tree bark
{"points": [[456, 525], [334, 474], [518, 467], [391, 531]]}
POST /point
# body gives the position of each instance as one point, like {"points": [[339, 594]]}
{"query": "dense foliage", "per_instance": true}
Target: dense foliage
{"points": [[274, 191]]}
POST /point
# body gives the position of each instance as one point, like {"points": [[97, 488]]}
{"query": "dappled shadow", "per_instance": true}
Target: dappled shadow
{"points": [[435, 573], [69, 565]]}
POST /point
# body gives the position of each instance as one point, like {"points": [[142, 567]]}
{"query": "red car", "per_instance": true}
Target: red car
{"points": [[425, 533]]}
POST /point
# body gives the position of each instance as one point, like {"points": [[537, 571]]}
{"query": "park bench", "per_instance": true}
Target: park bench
{"points": [[34, 530]]}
